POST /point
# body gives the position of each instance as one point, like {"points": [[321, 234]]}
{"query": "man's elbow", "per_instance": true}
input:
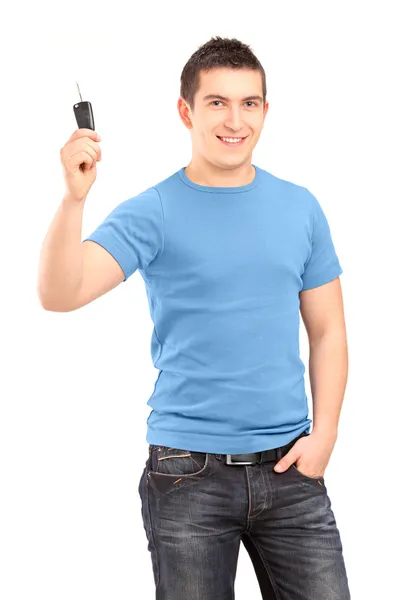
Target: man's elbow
{"points": [[51, 305]]}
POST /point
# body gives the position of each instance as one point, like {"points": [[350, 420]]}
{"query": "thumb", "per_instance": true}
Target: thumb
{"points": [[285, 462]]}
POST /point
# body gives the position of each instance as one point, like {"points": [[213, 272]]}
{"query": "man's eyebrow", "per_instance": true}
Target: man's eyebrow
{"points": [[217, 96]]}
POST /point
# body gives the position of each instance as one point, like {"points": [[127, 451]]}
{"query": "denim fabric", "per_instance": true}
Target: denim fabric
{"points": [[196, 510]]}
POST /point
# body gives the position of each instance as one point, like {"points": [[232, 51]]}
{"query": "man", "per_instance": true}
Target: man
{"points": [[230, 254]]}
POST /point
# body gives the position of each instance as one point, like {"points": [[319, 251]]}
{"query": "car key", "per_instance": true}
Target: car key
{"points": [[84, 113]]}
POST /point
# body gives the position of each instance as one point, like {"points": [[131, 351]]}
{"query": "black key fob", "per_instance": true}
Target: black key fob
{"points": [[84, 114]]}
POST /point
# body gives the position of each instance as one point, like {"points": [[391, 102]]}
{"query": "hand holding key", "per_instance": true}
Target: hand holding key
{"points": [[81, 153], [79, 157]]}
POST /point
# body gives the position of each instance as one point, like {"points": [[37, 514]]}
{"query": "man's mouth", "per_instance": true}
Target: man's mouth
{"points": [[232, 141]]}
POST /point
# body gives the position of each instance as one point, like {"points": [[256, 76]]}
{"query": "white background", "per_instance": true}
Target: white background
{"points": [[74, 386]]}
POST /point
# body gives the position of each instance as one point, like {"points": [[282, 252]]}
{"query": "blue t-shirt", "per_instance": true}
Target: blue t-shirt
{"points": [[223, 268]]}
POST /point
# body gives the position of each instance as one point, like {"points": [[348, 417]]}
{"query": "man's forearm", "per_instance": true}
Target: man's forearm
{"points": [[328, 367], [61, 264]]}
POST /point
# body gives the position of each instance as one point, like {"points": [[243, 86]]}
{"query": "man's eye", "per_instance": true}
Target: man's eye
{"points": [[248, 102]]}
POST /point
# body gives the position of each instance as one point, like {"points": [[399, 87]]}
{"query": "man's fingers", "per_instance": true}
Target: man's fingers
{"points": [[85, 132]]}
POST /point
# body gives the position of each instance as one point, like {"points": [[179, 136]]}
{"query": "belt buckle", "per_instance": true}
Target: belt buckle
{"points": [[234, 463]]}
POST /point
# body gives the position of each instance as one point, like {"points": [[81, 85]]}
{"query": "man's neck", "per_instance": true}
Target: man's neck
{"points": [[217, 177]]}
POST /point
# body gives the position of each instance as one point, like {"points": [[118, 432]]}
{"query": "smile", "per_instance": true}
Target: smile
{"points": [[232, 141]]}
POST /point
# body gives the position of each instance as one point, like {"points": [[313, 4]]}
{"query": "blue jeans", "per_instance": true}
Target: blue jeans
{"points": [[196, 509]]}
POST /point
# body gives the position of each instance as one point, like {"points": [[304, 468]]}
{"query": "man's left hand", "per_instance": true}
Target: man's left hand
{"points": [[310, 454]]}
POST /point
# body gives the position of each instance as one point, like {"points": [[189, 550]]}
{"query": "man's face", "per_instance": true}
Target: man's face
{"points": [[239, 115]]}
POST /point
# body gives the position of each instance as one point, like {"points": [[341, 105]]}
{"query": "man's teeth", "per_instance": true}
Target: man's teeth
{"points": [[231, 139]]}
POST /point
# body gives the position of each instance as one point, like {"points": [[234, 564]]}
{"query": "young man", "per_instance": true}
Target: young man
{"points": [[230, 254]]}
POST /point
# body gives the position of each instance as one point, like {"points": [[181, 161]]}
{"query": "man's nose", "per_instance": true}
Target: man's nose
{"points": [[234, 120]]}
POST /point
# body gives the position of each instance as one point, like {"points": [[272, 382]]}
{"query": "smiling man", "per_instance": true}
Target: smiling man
{"points": [[224, 125], [231, 255]]}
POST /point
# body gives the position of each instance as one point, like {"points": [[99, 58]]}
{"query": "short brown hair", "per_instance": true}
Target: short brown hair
{"points": [[218, 52]]}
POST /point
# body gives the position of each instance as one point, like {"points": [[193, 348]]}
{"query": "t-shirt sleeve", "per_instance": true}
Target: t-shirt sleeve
{"points": [[323, 264], [133, 233]]}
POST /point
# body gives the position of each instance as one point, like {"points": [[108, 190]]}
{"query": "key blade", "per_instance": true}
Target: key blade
{"points": [[79, 91]]}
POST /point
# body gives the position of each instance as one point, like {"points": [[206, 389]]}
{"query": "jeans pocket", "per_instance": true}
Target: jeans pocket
{"points": [[307, 477], [178, 462]]}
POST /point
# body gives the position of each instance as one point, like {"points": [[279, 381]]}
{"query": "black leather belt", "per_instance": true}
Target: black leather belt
{"points": [[255, 458]]}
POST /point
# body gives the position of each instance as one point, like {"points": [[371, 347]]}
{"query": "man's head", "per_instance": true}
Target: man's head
{"points": [[223, 94]]}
